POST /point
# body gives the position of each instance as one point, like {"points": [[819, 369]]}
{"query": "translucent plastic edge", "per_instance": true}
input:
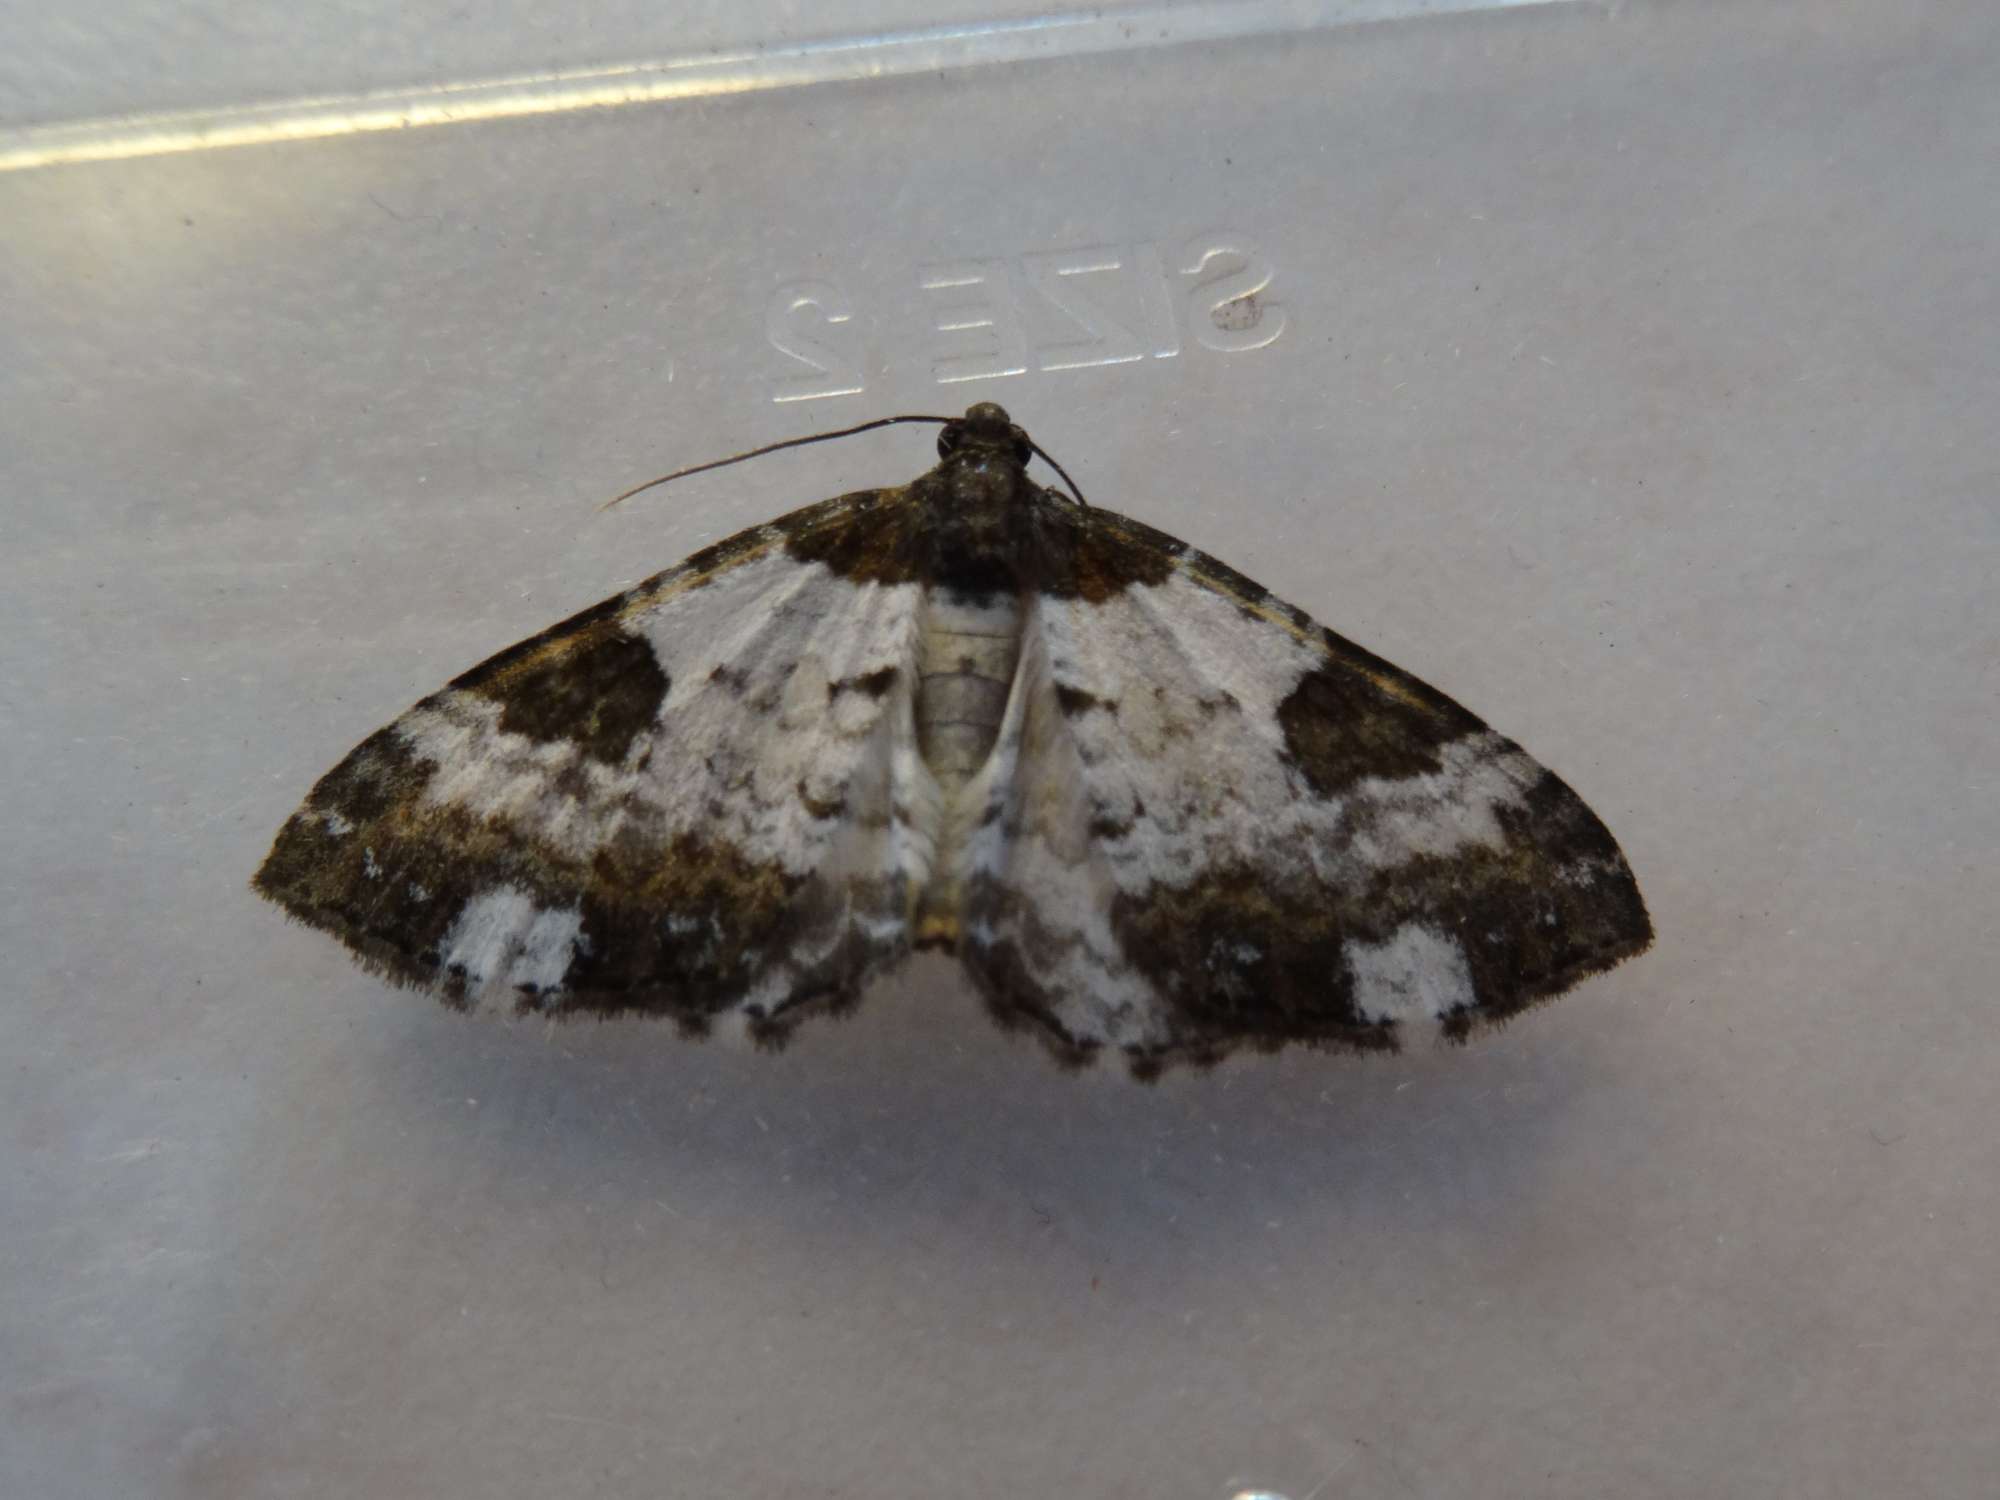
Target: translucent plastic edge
{"points": [[711, 74]]}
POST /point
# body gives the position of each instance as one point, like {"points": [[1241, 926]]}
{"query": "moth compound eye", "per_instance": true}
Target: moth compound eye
{"points": [[949, 437], [1023, 449]]}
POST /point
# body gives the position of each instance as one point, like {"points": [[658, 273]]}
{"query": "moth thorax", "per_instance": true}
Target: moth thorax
{"points": [[966, 657]]}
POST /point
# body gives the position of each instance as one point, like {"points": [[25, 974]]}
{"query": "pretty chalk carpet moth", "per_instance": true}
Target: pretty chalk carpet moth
{"points": [[1152, 809]]}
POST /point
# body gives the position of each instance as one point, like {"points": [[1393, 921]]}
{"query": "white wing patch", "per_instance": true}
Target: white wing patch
{"points": [[755, 734], [1414, 979], [1193, 757], [505, 946], [761, 707]]}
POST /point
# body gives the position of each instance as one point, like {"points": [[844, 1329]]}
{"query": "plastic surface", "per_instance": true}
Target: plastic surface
{"points": [[1628, 374]]}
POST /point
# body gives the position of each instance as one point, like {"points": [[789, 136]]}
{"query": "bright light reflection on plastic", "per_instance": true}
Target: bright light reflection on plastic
{"points": [[707, 75]]}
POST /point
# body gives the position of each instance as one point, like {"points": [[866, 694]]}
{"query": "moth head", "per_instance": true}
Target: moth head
{"points": [[985, 425]]}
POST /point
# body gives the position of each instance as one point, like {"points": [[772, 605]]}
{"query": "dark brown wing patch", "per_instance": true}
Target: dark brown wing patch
{"points": [[1340, 726], [600, 694]]}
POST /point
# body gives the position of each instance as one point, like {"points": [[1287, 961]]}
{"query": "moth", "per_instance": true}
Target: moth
{"points": [[1152, 810]]}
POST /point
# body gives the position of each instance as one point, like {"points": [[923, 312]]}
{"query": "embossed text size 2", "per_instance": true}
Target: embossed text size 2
{"points": [[987, 319]]}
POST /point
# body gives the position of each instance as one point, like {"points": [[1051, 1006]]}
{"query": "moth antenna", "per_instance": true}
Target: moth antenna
{"points": [[797, 442], [1043, 454]]}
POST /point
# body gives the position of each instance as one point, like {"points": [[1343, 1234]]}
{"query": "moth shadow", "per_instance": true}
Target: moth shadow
{"points": [[915, 1120]]}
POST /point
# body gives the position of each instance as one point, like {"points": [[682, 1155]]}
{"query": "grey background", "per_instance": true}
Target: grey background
{"points": [[1637, 387]]}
